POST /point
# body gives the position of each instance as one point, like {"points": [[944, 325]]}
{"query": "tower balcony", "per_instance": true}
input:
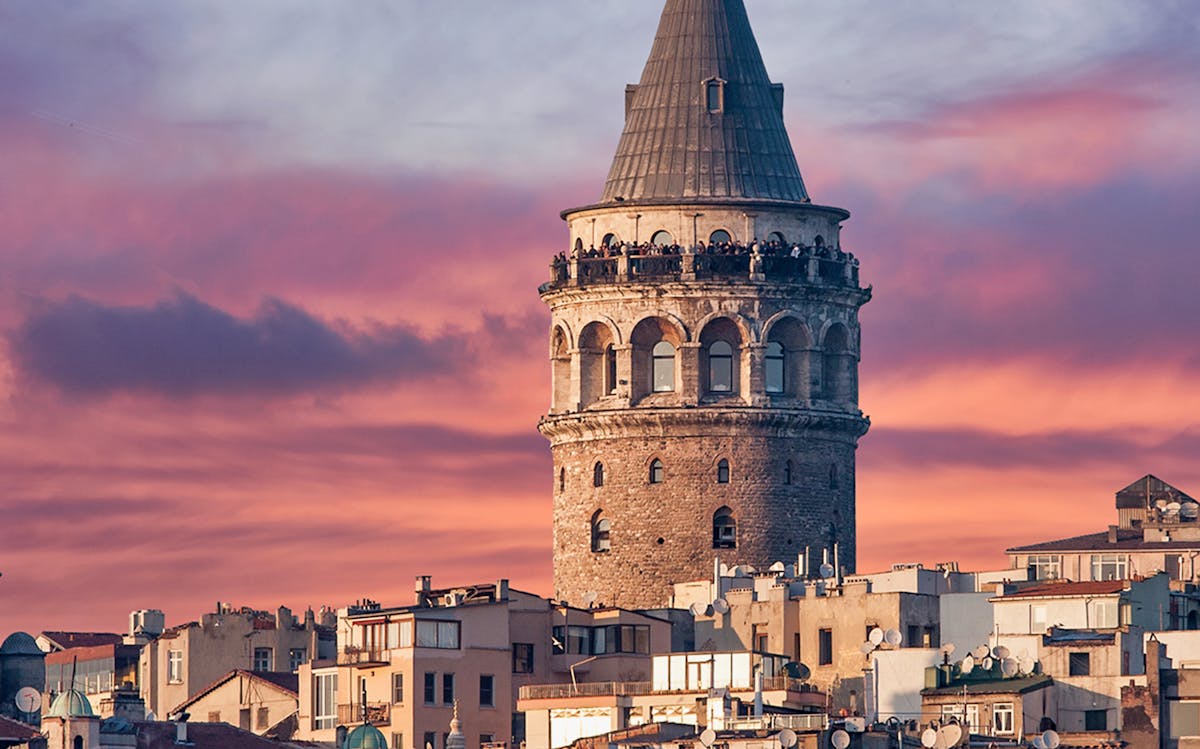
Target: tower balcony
{"points": [[818, 266]]}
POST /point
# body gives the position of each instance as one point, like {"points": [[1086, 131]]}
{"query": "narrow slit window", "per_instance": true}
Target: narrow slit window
{"points": [[601, 533], [714, 91], [598, 474], [723, 471], [657, 471], [610, 369]]}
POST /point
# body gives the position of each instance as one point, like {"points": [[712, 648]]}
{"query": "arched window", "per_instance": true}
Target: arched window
{"points": [[787, 473], [720, 236], [723, 471], [610, 373], [776, 237], [656, 471], [78, 742], [579, 245], [833, 476], [720, 367], [598, 474], [724, 529], [776, 365], [594, 342], [601, 533], [663, 370], [662, 238], [610, 240], [839, 369], [819, 241]]}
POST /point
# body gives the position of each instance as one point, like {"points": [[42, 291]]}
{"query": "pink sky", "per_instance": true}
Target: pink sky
{"points": [[270, 329]]}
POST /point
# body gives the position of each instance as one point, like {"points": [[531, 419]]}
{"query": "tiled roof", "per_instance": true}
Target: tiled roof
{"points": [[1127, 540], [673, 147], [161, 735], [82, 639], [288, 682], [11, 730], [1067, 588]]}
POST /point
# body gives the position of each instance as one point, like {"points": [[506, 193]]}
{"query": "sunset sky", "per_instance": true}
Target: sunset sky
{"points": [[269, 327]]}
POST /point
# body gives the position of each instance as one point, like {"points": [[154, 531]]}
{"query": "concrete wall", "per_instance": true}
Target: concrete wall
{"points": [[251, 704]]}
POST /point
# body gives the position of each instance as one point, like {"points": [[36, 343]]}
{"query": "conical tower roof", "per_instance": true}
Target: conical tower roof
{"points": [[705, 123]]}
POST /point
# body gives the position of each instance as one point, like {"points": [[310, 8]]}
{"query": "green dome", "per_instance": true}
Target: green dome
{"points": [[365, 737], [71, 704]]}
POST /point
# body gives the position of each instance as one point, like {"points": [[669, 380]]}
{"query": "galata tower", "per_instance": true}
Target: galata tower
{"points": [[704, 340]]}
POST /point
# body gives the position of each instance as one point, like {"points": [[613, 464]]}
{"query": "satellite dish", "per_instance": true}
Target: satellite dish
{"points": [[949, 735], [1051, 739], [1026, 664], [892, 637], [1160, 504], [840, 739], [150, 716], [928, 738], [867, 647], [698, 609], [777, 567], [708, 736], [827, 570], [1038, 742], [745, 571], [988, 663], [1001, 652], [28, 699], [967, 665], [721, 606], [1009, 667], [947, 649], [1174, 507], [981, 652], [726, 570], [590, 597], [787, 738], [876, 636]]}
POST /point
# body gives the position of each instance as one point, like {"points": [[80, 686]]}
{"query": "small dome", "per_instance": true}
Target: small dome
{"points": [[71, 704], [365, 737], [19, 643]]}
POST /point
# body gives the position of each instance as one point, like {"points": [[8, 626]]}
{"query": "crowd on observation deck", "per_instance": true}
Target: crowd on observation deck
{"points": [[765, 249]]}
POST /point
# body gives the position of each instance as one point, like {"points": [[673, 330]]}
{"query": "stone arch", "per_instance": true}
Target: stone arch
{"points": [[647, 362], [721, 235], [724, 528], [722, 351], [560, 367], [610, 240], [787, 362], [839, 366], [656, 470], [745, 326], [601, 532], [596, 376], [724, 470]]}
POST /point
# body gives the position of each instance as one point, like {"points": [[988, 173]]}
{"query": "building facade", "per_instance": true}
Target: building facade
{"points": [[704, 337]]}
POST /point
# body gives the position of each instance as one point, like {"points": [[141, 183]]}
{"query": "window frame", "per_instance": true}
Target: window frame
{"points": [[522, 654], [488, 692], [723, 358], [261, 664], [662, 367], [658, 471], [775, 369], [723, 471], [724, 526], [174, 666], [448, 688], [324, 716], [398, 688], [430, 687], [601, 530], [598, 474], [1000, 709], [825, 646], [1079, 663]]}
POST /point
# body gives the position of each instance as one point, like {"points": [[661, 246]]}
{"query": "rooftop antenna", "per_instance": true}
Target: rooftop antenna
{"points": [[947, 650]]}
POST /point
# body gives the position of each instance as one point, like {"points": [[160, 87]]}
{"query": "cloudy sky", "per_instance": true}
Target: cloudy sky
{"points": [[269, 330]]}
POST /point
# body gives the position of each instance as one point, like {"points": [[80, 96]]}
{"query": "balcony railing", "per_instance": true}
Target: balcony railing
{"points": [[378, 714], [633, 688], [796, 722], [354, 656], [826, 267]]}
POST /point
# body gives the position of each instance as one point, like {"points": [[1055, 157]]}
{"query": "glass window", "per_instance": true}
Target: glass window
{"points": [[1095, 720], [397, 688], [175, 666], [598, 474], [1037, 620], [398, 740], [430, 688], [720, 236], [1109, 566], [1002, 717], [662, 238], [262, 659], [714, 97], [610, 240], [723, 471], [1045, 566], [296, 658], [1080, 664], [430, 740], [610, 369], [825, 647], [1104, 614], [522, 655], [601, 533], [663, 374], [720, 367], [487, 690], [447, 689], [656, 471], [324, 701], [435, 634], [776, 365], [724, 529]]}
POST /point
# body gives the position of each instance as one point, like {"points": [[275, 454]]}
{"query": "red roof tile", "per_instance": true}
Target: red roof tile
{"points": [[1068, 588], [11, 730]]}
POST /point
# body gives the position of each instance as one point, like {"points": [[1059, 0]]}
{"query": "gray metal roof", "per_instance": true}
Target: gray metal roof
{"points": [[673, 147]]}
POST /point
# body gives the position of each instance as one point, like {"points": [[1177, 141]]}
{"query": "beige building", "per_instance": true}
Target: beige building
{"points": [[475, 645], [187, 658], [261, 702], [1001, 708]]}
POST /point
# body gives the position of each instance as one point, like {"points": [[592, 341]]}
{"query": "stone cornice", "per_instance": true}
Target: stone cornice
{"points": [[651, 423]]}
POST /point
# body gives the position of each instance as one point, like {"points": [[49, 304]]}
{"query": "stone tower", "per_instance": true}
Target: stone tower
{"points": [[704, 337]]}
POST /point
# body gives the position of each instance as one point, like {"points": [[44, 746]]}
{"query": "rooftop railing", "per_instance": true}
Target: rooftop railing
{"points": [[633, 688]]}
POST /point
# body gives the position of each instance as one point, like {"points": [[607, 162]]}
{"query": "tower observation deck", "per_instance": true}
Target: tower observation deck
{"points": [[704, 337]]}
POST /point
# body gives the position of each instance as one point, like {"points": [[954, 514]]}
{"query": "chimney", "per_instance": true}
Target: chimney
{"points": [[502, 589], [1112, 534], [284, 619], [181, 732], [424, 585]]}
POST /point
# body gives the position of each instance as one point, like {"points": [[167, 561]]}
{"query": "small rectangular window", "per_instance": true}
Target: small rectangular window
{"points": [[714, 97], [487, 690], [262, 720], [522, 654], [430, 688], [1095, 720], [914, 636], [1080, 664], [175, 666], [397, 688], [447, 689], [397, 740], [430, 740], [262, 659], [1002, 718], [825, 647], [296, 658]]}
